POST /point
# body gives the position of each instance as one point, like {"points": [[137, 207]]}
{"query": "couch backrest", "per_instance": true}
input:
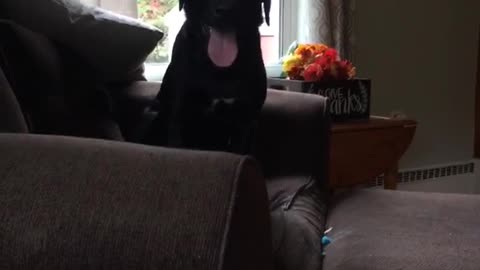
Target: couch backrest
{"points": [[11, 117]]}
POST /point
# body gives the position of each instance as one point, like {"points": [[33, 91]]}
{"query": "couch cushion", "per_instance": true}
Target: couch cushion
{"points": [[33, 68], [40, 51], [11, 117], [298, 210], [55, 96], [114, 45], [377, 229]]}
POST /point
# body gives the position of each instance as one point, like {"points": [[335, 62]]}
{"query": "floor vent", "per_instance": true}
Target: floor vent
{"points": [[428, 174]]}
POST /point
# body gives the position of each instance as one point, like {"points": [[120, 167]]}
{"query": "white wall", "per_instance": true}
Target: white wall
{"points": [[421, 56]]}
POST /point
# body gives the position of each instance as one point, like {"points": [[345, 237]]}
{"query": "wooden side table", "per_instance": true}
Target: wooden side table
{"points": [[363, 150]]}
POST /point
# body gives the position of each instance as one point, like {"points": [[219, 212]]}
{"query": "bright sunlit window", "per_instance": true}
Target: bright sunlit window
{"points": [[166, 15]]}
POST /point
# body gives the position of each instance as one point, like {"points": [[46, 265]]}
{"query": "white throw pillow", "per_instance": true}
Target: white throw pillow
{"points": [[114, 45]]}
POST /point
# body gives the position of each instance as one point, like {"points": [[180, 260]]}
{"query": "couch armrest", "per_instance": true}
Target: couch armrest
{"points": [[294, 135], [71, 203]]}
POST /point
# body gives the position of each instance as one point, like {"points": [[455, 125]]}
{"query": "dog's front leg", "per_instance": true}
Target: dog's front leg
{"points": [[165, 129], [235, 132]]}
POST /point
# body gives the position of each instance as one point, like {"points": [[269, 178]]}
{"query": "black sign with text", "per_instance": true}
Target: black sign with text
{"points": [[348, 100]]}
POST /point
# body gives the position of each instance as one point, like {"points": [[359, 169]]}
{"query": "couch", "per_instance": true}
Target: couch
{"points": [[78, 190]]}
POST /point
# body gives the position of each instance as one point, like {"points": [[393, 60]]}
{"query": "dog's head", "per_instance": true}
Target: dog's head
{"points": [[225, 14], [226, 21]]}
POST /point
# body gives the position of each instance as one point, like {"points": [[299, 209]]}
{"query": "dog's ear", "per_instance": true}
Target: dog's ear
{"points": [[181, 3], [266, 7]]}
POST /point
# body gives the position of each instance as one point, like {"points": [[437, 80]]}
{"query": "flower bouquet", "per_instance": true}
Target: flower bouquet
{"points": [[318, 69], [316, 62]]}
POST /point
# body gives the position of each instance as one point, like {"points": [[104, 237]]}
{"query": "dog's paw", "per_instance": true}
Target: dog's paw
{"points": [[222, 102], [221, 105]]}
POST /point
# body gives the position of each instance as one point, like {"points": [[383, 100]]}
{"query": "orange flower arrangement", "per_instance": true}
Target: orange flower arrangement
{"points": [[316, 62]]}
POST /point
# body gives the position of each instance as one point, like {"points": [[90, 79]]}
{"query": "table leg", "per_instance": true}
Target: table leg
{"points": [[391, 175]]}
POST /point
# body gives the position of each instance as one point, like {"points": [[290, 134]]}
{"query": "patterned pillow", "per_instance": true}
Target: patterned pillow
{"points": [[114, 45]]}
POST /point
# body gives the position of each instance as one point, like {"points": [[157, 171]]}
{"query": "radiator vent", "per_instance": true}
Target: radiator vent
{"points": [[409, 176]]}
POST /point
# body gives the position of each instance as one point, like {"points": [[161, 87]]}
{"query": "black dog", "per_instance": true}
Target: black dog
{"points": [[215, 85]]}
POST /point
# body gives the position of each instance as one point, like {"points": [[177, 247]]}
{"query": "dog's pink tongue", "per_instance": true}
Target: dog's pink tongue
{"points": [[222, 48]]}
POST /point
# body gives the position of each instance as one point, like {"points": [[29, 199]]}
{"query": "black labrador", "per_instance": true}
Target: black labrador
{"points": [[215, 86]]}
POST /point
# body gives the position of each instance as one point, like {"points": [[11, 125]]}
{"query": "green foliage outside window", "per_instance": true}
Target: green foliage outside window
{"points": [[153, 12]]}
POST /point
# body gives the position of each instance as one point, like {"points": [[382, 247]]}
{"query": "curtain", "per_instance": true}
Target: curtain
{"points": [[329, 22]]}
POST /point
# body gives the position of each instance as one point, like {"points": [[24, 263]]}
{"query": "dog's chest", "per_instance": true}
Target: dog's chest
{"points": [[217, 86], [225, 89]]}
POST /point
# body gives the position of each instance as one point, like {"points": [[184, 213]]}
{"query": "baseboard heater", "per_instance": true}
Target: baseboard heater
{"points": [[431, 173]]}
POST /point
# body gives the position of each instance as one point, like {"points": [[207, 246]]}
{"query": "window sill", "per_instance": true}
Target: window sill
{"points": [[154, 72]]}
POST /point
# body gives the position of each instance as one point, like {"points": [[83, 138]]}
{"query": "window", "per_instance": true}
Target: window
{"points": [[166, 15]]}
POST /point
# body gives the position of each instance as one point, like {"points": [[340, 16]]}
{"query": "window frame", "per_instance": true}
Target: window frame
{"points": [[288, 33]]}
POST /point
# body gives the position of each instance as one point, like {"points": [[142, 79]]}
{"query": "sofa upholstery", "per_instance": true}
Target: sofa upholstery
{"points": [[372, 229], [11, 116], [298, 212], [245, 223], [72, 203], [78, 203], [60, 159], [380, 230], [292, 147], [57, 90], [293, 153], [33, 68]]}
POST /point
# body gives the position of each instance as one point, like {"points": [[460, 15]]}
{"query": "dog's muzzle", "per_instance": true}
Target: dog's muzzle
{"points": [[222, 47]]}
